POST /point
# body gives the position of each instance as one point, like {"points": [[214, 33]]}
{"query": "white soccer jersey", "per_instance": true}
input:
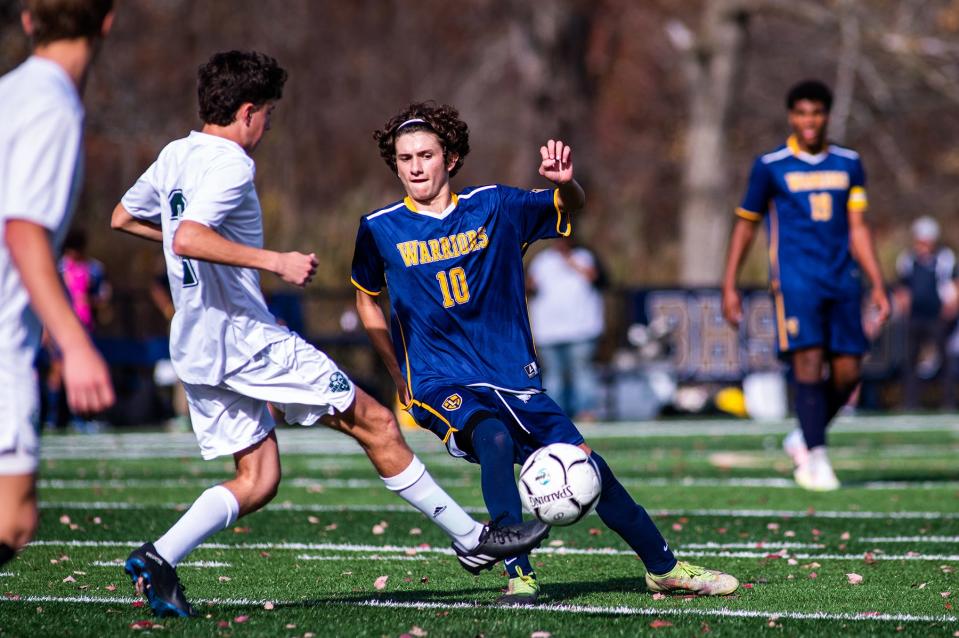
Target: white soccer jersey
{"points": [[41, 134], [221, 319]]}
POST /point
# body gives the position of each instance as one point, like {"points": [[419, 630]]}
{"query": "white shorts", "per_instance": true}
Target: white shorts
{"points": [[291, 374], [19, 417]]}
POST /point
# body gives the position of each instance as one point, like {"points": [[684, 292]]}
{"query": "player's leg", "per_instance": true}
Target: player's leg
{"points": [[815, 471], [845, 373], [19, 455], [493, 446], [18, 513], [225, 422]]}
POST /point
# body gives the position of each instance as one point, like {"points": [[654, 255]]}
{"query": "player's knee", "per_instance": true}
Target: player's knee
{"points": [[259, 486]]}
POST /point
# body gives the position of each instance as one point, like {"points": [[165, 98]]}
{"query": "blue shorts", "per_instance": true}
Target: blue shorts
{"points": [[807, 319], [451, 412]]}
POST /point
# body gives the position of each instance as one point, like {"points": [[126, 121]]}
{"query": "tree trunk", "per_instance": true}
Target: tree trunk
{"points": [[712, 69]]}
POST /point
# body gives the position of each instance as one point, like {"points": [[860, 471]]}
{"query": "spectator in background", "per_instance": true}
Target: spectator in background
{"points": [[566, 309], [89, 292], [927, 289]]}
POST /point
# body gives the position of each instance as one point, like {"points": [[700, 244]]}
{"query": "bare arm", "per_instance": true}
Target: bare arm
{"points": [[861, 245], [374, 322], [196, 241], [85, 374], [123, 221], [744, 231]]}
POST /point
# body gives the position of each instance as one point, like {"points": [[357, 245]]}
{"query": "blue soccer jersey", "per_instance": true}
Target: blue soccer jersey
{"points": [[456, 283], [805, 200]]}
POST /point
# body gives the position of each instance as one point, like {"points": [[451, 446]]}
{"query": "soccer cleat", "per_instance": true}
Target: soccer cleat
{"points": [[816, 474], [522, 590], [154, 577], [795, 446], [685, 577], [497, 542]]}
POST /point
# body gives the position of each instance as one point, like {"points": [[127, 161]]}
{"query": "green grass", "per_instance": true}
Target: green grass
{"points": [[722, 500]]}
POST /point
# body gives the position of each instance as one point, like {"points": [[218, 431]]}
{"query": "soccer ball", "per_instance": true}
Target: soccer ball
{"points": [[559, 484]]}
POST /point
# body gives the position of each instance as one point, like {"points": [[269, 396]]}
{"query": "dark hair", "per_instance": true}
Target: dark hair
{"points": [[232, 78], [76, 239], [66, 19], [812, 90], [443, 120]]}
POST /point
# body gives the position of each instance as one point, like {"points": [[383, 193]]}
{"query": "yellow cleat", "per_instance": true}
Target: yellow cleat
{"points": [[685, 577], [522, 590]]}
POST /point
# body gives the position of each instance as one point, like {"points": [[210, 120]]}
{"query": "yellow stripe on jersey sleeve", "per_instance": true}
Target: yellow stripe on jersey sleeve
{"points": [[858, 201], [559, 217], [369, 292]]}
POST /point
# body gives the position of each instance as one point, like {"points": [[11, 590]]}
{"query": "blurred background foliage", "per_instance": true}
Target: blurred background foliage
{"points": [[665, 103]]}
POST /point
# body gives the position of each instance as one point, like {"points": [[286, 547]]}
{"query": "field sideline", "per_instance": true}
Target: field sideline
{"points": [[337, 554]]}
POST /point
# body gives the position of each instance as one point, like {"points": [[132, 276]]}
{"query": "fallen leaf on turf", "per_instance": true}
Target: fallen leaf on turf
{"points": [[223, 624], [816, 532], [410, 551], [97, 520], [812, 565], [813, 575], [69, 579], [269, 605], [705, 628], [415, 531], [656, 624], [309, 634], [74, 526], [854, 579], [137, 603], [313, 520], [869, 557], [142, 624], [844, 536], [595, 531], [380, 583], [945, 594], [789, 533], [378, 530], [330, 527], [419, 631], [80, 573], [224, 579], [540, 634], [921, 585], [111, 587], [291, 626], [556, 543], [264, 554], [677, 527], [65, 519], [772, 526], [658, 596], [792, 561], [241, 530], [947, 569], [315, 489], [239, 619], [11, 596]]}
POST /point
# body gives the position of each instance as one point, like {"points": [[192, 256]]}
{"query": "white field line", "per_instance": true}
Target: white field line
{"points": [[752, 545], [411, 550], [355, 558], [909, 539], [134, 445], [728, 513], [7, 574], [364, 484], [567, 609], [198, 564]]}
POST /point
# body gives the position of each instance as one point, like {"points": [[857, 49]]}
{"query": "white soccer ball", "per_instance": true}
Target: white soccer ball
{"points": [[559, 484]]}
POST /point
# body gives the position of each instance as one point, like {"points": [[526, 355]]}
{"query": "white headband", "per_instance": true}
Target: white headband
{"points": [[415, 120]]}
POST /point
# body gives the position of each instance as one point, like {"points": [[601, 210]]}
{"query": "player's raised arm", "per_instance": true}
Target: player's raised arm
{"points": [[557, 167]]}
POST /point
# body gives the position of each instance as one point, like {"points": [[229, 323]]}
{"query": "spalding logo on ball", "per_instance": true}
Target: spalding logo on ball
{"points": [[559, 502]]}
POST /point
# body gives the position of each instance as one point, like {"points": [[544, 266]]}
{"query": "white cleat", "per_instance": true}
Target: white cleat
{"points": [[795, 446], [816, 474]]}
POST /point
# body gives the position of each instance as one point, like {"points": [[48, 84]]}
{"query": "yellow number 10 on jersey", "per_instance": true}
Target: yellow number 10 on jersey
{"points": [[456, 280]]}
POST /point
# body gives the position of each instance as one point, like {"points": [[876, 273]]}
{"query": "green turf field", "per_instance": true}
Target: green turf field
{"points": [[309, 564]]}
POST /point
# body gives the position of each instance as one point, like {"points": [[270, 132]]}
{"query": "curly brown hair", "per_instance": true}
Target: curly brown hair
{"points": [[443, 120]]}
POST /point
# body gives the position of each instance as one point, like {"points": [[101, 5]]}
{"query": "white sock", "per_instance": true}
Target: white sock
{"points": [[418, 488], [214, 510]]}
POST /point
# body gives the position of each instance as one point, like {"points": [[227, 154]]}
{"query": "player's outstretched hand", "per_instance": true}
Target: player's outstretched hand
{"points": [[557, 162], [86, 379], [880, 311], [732, 307], [296, 268]]}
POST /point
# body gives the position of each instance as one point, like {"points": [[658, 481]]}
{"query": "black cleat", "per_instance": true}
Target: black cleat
{"points": [[498, 542], [154, 577]]}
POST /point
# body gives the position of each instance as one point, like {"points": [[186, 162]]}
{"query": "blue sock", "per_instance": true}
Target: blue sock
{"points": [[630, 520], [493, 446], [812, 409], [836, 398]]}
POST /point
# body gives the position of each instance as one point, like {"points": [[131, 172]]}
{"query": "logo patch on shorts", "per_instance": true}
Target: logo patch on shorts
{"points": [[339, 383], [531, 369], [792, 326], [452, 402]]}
